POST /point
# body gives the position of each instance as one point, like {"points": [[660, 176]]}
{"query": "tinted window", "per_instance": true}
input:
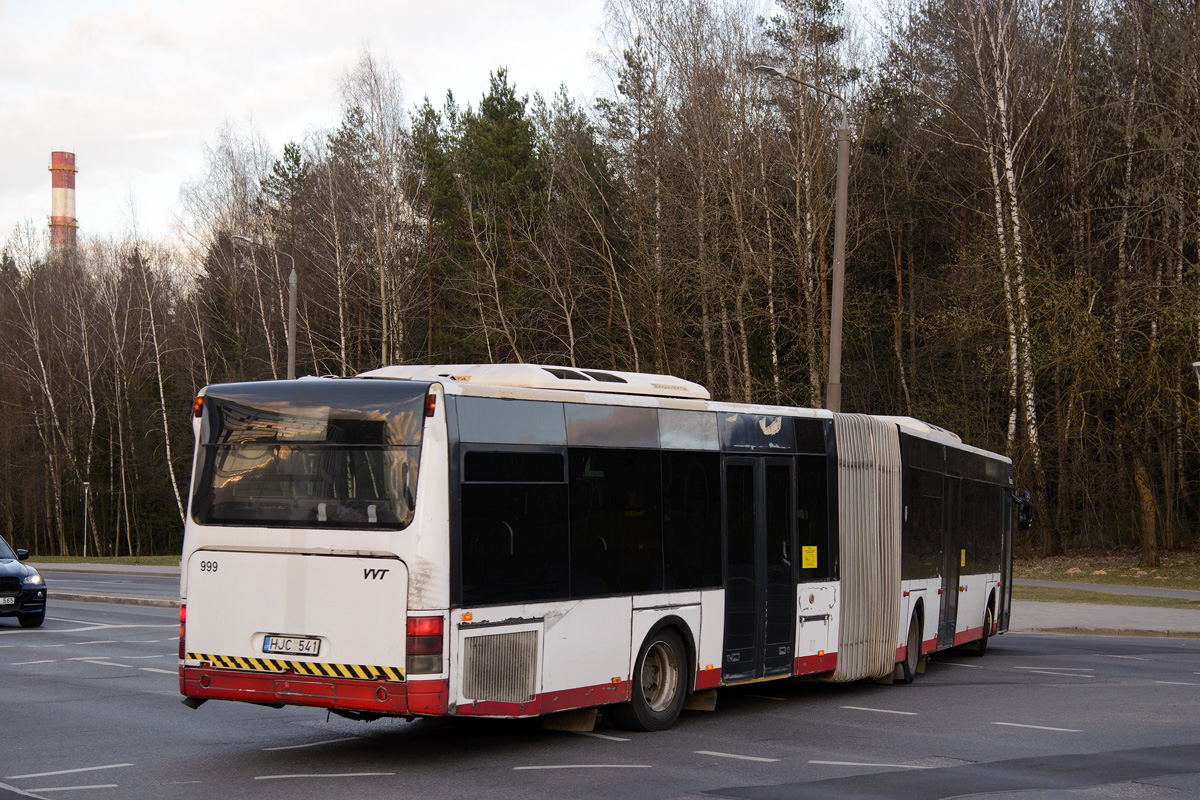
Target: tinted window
{"points": [[309, 454], [817, 549], [314, 412], [514, 531], [810, 436], [691, 517], [759, 433], [616, 521], [687, 430], [491, 421], [611, 426], [922, 527], [512, 467]]}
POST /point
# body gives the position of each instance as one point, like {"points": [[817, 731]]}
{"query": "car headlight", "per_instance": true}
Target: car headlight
{"points": [[32, 580]]}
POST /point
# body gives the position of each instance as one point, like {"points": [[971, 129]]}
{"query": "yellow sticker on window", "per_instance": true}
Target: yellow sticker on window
{"points": [[963, 563], [808, 557]]}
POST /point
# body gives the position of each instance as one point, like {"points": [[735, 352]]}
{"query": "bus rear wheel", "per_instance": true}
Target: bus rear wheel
{"points": [[912, 653], [658, 684], [979, 647]]}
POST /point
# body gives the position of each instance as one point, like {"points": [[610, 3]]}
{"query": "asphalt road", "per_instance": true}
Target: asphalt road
{"points": [[68, 583], [93, 709]]}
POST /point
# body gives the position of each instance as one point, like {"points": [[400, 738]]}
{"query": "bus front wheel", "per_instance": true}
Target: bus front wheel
{"points": [[658, 684]]}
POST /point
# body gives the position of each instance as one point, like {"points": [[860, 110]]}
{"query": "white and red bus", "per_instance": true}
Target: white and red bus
{"points": [[520, 540]]}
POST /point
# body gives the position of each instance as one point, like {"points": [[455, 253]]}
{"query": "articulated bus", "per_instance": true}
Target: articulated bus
{"points": [[522, 540]]}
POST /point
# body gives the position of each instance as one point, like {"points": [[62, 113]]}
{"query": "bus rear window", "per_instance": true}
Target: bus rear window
{"points": [[309, 454]]}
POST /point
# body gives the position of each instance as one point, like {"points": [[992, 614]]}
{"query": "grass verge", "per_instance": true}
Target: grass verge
{"points": [[145, 561], [1046, 595], [1177, 569]]}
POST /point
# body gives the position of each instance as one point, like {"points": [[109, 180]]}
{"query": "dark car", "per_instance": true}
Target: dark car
{"points": [[22, 590]]}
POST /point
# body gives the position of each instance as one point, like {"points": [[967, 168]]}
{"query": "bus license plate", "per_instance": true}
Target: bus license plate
{"points": [[8, 601], [292, 645]]}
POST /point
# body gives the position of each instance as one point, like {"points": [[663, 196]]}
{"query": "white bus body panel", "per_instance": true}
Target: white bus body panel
{"points": [[817, 625], [356, 607]]}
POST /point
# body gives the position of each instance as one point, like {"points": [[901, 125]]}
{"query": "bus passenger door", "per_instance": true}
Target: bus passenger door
{"points": [[951, 561], [760, 577]]}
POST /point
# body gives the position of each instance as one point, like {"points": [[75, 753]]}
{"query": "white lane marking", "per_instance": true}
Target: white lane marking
{"points": [[16, 792], [883, 711], [1037, 727], [732, 755], [142, 658], [160, 671], [307, 744], [63, 772], [26, 663], [48, 645], [1131, 658], [1178, 683], [74, 788], [588, 766], [1061, 669], [765, 697], [142, 641], [602, 736], [7, 645], [1059, 674], [868, 764], [108, 663], [100, 626], [100, 641], [957, 664], [323, 775]]}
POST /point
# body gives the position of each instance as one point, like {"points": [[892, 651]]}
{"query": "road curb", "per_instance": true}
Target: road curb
{"points": [[75, 597], [1080, 631]]}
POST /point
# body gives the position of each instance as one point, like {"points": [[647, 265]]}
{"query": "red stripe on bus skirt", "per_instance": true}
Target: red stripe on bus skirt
{"points": [[549, 702], [382, 697], [969, 635], [815, 665]]}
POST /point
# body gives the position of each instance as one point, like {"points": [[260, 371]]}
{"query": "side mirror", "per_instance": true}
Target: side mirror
{"points": [[1024, 510], [22, 555]]}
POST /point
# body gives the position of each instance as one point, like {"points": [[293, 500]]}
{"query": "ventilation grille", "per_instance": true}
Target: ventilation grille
{"points": [[500, 668]]}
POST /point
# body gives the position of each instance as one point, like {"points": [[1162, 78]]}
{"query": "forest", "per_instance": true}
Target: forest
{"points": [[1022, 266]]}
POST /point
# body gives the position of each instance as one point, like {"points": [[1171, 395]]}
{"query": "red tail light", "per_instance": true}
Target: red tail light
{"points": [[198, 406], [430, 404], [424, 646], [424, 626], [182, 623]]}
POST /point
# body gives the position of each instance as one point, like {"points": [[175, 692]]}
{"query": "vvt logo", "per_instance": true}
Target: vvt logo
{"points": [[377, 574]]}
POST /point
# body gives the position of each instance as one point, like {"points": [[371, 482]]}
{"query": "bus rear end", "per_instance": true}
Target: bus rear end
{"points": [[315, 557]]}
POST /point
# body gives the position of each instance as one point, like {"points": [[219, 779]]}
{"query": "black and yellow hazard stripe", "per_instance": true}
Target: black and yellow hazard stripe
{"points": [[312, 668]]}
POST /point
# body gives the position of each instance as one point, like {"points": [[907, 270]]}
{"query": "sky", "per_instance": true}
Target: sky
{"points": [[137, 89]]}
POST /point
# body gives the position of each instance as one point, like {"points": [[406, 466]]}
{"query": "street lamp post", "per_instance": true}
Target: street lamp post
{"points": [[86, 486], [291, 367], [833, 392]]}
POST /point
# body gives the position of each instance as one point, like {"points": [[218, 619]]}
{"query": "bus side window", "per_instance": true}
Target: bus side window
{"points": [[514, 527]]}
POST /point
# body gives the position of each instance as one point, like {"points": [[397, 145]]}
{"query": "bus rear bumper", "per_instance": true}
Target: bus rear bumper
{"points": [[423, 698]]}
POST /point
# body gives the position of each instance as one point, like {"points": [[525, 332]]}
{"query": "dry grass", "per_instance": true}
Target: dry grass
{"points": [[1041, 594], [146, 561], [1178, 569]]}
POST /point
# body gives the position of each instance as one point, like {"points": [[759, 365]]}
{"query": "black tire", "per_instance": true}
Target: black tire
{"points": [[912, 654], [32, 620], [979, 647], [659, 684]]}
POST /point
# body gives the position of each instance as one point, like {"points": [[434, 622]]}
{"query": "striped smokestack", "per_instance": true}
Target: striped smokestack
{"points": [[62, 200]]}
